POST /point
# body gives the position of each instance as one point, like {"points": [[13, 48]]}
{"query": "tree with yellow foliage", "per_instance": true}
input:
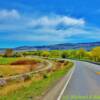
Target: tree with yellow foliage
{"points": [[96, 53]]}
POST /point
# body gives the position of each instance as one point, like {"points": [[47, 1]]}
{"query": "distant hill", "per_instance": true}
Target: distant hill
{"points": [[65, 46], [87, 46]]}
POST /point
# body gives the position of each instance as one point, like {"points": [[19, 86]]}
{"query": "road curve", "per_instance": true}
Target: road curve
{"points": [[84, 81]]}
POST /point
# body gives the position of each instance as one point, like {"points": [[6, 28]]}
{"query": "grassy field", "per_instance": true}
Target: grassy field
{"points": [[10, 70], [35, 87], [14, 66]]}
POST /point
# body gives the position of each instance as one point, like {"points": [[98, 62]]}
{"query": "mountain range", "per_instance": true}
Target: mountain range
{"points": [[64, 46]]}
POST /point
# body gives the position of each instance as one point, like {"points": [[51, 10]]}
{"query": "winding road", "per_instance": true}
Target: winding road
{"points": [[84, 81]]}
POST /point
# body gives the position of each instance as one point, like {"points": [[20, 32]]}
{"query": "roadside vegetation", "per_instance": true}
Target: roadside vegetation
{"points": [[36, 85], [81, 54]]}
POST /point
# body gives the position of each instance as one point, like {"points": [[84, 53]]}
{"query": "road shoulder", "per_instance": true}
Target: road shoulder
{"points": [[57, 90]]}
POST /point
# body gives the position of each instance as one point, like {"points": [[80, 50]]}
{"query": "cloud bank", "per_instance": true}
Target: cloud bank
{"points": [[57, 20]]}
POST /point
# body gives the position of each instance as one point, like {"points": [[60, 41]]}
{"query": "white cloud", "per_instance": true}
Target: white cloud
{"points": [[9, 14], [55, 20]]}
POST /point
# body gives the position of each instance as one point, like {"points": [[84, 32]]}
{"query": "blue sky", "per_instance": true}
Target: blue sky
{"points": [[44, 22]]}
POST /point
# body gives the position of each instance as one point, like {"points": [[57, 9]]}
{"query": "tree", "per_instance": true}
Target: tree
{"points": [[45, 53], [9, 53], [73, 54], [96, 53], [88, 55], [55, 53], [65, 54], [81, 53]]}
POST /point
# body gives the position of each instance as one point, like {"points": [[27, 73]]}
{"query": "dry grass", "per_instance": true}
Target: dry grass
{"points": [[10, 88], [9, 70]]}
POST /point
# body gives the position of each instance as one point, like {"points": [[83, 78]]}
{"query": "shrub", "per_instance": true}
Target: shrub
{"points": [[45, 76]]}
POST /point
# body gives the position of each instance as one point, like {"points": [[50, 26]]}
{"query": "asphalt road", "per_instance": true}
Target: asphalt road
{"points": [[84, 81]]}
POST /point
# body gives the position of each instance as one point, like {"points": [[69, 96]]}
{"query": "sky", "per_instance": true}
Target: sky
{"points": [[45, 22]]}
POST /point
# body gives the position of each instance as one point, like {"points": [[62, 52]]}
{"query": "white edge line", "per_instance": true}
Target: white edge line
{"points": [[66, 84]]}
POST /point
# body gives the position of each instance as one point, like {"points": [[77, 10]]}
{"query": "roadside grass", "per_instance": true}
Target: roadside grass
{"points": [[11, 70], [37, 87], [6, 71]]}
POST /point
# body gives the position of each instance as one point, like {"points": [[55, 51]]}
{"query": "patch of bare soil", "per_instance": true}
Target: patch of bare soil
{"points": [[24, 62]]}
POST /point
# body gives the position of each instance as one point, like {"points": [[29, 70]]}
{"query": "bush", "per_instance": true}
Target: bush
{"points": [[45, 76], [1, 76]]}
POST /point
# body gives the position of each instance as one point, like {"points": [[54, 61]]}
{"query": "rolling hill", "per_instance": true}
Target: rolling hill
{"points": [[87, 46], [65, 46]]}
